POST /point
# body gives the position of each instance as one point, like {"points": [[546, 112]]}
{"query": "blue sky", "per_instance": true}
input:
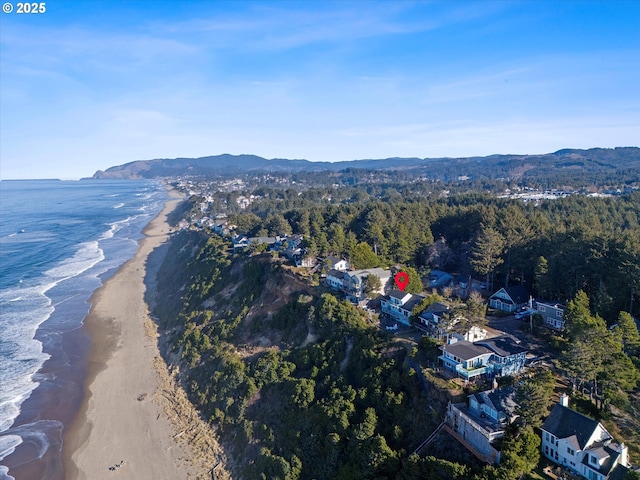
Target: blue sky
{"points": [[91, 84]]}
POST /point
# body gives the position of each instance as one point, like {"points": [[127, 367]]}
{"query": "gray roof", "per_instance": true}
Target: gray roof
{"points": [[564, 422], [518, 294], [397, 294], [465, 350], [437, 308], [332, 261], [412, 302], [619, 472], [604, 451], [501, 400], [336, 273], [361, 274], [503, 346], [267, 240]]}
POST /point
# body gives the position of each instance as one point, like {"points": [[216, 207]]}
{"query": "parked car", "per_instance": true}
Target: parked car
{"points": [[524, 313]]}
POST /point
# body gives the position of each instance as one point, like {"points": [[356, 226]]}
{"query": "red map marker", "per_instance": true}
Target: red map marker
{"points": [[402, 280]]}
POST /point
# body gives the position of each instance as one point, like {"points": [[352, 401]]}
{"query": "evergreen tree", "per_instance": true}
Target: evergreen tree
{"points": [[415, 282], [541, 283], [362, 256], [485, 256], [629, 333], [372, 285]]}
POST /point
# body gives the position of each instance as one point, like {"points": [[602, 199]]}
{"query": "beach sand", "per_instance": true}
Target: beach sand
{"points": [[129, 395]]}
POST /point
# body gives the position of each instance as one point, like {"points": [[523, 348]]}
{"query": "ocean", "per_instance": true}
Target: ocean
{"points": [[59, 241]]}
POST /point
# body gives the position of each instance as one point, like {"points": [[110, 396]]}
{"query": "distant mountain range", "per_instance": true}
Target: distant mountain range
{"points": [[595, 160]]}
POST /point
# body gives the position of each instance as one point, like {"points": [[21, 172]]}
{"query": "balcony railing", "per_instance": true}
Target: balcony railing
{"points": [[471, 372]]}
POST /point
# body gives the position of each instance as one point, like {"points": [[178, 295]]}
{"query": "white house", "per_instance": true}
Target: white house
{"points": [[335, 263], [354, 281], [582, 445], [399, 305]]}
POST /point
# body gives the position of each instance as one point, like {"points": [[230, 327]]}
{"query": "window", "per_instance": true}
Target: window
{"points": [[571, 451], [593, 460], [546, 450], [542, 308], [546, 436], [559, 313]]}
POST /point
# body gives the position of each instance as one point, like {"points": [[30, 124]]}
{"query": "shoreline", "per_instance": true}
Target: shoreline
{"points": [[127, 390]]}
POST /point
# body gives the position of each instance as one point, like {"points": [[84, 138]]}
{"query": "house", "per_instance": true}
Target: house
{"points": [[440, 279], [431, 321], [335, 263], [498, 406], [582, 445], [335, 279], [270, 241], [509, 357], [289, 246], [399, 305], [239, 242], [304, 260], [353, 282], [492, 357], [478, 424], [552, 314], [509, 299]]}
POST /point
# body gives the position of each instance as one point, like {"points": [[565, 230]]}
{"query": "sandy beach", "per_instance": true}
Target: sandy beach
{"points": [[125, 417]]}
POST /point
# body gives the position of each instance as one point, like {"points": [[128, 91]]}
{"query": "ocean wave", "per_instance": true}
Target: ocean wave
{"points": [[41, 434], [51, 283], [119, 205], [28, 237], [21, 355], [25, 307], [115, 227], [88, 255], [4, 475], [8, 444]]}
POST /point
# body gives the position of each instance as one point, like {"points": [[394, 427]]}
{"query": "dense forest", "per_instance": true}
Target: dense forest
{"points": [[301, 384], [555, 248]]}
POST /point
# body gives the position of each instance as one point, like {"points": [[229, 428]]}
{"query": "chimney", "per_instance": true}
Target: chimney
{"points": [[624, 455], [564, 400], [494, 385]]}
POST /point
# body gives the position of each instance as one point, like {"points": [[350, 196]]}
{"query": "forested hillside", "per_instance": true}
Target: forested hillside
{"points": [[555, 248], [302, 385], [310, 389], [564, 167], [303, 389]]}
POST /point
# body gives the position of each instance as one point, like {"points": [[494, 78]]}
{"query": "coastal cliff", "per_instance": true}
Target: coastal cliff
{"points": [[296, 383]]}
